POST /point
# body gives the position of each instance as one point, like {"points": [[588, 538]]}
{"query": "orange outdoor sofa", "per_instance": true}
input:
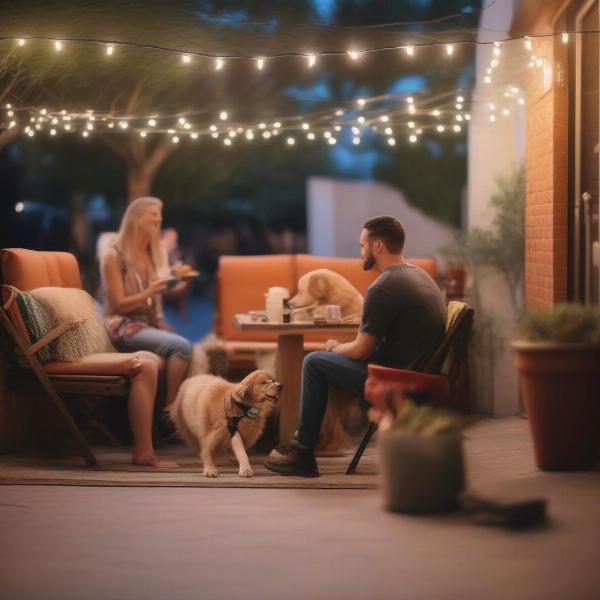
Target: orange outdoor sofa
{"points": [[242, 282], [105, 374]]}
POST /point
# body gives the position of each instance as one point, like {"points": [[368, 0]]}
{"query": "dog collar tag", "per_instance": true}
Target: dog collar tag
{"points": [[253, 412]]}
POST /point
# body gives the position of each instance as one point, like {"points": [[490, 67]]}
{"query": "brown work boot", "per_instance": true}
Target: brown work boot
{"points": [[292, 459]]}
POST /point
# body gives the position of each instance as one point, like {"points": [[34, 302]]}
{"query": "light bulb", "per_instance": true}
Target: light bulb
{"points": [[337, 127], [497, 51], [410, 100], [266, 134], [411, 124], [219, 64], [21, 42], [223, 115], [194, 135], [187, 125], [331, 141], [467, 117], [175, 139], [440, 128], [487, 79], [565, 38], [356, 140], [410, 50], [227, 141], [449, 49], [310, 136], [290, 141], [435, 113], [339, 113], [143, 134], [361, 120], [214, 135], [10, 113], [53, 132], [109, 50], [249, 134], [277, 124], [528, 44], [213, 128], [327, 134], [384, 118], [260, 63], [89, 126], [493, 118], [458, 106], [305, 126], [58, 46], [412, 139], [361, 102], [152, 122], [459, 117], [312, 59], [411, 109], [457, 128], [85, 134], [355, 130], [123, 124], [388, 131], [391, 141], [186, 58], [353, 54]]}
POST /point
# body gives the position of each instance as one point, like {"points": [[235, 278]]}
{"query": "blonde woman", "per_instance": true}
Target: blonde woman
{"points": [[134, 290]]}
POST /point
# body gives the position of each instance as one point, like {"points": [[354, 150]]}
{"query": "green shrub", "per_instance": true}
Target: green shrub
{"points": [[570, 322]]}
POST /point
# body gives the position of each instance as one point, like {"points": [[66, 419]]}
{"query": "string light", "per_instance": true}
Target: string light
{"points": [[249, 134], [53, 132], [440, 128], [356, 140], [412, 139], [411, 124], [85, 134], [353, 54], [310, 136], [331, 141], [449, 49], [528, 44], [152, 122], [227, 141], [361, 102], [565, 38], [391, 141], [410, 50], [143, 133], [290, 141], [223, 115], [194, 135], [58, 46], [109, 50], [260, 63], [219, 64], [457, 128], [175, 139], [266, 134], [123, 124], [21, 42], [312, 59], [305, 126], [186, 58]]}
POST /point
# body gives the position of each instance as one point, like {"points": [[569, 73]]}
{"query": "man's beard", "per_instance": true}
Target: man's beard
{"points": [[368, 263]]}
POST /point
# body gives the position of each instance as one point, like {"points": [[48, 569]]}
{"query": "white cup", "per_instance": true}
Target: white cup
{"points": [[274, 308], [278, 292], [333, 313]]}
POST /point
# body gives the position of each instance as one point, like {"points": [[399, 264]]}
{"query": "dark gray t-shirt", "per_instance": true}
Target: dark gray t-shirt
{"points": [[404, 309]]}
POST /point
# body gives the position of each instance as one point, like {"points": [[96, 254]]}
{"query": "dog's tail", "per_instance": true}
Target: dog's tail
{"points": [[176, 414]]}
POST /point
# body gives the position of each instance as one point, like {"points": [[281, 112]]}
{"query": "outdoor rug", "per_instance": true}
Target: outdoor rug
{"points": [[116, 470]]}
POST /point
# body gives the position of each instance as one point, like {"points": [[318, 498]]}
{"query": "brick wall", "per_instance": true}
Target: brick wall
{"points": [[546, 206]]}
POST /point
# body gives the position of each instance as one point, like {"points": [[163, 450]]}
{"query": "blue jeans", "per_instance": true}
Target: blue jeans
{"points": [[318, 371], [163, 343]]}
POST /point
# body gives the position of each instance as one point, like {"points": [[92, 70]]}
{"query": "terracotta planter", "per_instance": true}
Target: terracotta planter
{"points": [[420, 473], [560, 384]]}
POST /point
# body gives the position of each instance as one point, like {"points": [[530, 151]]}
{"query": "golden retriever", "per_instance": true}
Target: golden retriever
{"points": [[212, 414], [317, 289]]}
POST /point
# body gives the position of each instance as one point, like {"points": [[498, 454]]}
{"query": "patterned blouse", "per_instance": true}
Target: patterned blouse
{"points": [[122, 326]]}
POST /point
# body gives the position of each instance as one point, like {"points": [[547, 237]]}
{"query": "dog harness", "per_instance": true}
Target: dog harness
{"points": [[249, 411]]}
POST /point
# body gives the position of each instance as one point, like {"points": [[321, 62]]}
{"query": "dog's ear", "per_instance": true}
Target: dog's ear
{"points": [[317, 286], [244, 389]]}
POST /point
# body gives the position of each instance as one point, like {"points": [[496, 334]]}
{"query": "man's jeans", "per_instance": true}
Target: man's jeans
{"points": [[318, 371]]}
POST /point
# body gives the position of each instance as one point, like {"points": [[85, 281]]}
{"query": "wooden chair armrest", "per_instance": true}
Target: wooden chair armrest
{"points": [[53, 334]]}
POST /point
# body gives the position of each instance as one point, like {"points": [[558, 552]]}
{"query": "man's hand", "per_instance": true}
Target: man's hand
{"points": [[331, 344]]}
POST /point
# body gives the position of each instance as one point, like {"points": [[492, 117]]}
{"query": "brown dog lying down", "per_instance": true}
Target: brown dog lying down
{"points": [[213, 414], [317, 289]]}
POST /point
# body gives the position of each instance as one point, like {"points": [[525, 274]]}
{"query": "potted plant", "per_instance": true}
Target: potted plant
{"points": [[421, 457], [558, 359]]}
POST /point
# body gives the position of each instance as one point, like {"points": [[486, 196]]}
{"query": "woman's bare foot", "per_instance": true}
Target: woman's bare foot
{"points": [[149, 459]]}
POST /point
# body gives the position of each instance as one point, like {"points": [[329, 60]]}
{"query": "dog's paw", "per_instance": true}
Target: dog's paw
{"points": [[210, 472], [246, 471]]}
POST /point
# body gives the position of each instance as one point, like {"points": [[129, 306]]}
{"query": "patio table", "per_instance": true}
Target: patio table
{"points": [[290, 354]]}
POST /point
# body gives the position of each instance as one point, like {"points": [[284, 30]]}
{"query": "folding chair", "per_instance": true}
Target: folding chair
{"points": [[105, 374], [448, 359]]}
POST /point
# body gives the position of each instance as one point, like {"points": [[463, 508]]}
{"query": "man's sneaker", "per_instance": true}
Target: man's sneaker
{"points": [[292, 459]]}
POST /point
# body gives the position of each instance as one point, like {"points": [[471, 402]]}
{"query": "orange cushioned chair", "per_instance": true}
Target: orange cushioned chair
{"points": [[106, 374]]}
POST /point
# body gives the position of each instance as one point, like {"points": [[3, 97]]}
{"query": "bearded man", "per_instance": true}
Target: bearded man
{"points": [[403, 319]]}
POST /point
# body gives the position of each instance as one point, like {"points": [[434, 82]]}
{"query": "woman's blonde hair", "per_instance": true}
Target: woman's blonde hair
{"points": [[129, 231]]}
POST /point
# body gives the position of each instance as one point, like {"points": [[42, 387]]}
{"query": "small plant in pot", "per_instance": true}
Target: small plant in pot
{"points": [[558, 359], [422, 463]]}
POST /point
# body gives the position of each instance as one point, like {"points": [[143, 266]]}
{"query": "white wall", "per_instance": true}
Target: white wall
{"points": [[338, 209], [495, 150]]}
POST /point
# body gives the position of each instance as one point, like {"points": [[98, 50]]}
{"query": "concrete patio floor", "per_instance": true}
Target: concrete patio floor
{"points": [[82, 542]]}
